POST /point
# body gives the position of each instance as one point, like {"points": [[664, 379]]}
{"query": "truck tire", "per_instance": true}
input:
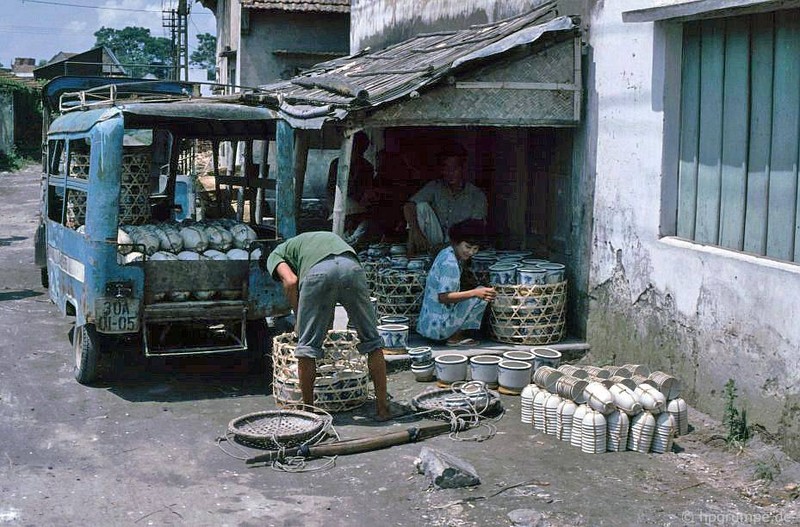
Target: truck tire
{"points": [[86, 344]]}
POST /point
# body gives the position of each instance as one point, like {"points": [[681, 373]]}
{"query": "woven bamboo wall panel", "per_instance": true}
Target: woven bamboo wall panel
{"points": [[450, 105], [553, 64]]}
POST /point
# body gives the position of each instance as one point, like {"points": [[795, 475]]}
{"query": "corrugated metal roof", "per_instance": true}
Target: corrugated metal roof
{"points": [[368, 79], [321, 6]]}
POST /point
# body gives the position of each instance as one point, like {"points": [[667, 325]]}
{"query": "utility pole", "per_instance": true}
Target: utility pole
{"points": [[175, 17]]}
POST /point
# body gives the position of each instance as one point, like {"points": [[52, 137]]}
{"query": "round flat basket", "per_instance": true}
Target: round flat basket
{"points": [[276, 428], [434, 401]]}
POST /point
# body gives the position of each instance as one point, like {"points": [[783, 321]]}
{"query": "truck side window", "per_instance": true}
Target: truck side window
{"points": [[56, 168]]}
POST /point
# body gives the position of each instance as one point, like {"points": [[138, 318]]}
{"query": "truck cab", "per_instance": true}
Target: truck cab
{"points": [[155, 225]]}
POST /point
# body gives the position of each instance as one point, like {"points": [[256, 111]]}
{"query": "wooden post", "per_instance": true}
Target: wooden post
{"points": [[248, 151], [300, 163], [262, 174], [342, 178], [285, 210], [215, 158]]}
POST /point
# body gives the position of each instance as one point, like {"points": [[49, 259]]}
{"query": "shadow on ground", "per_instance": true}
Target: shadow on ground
{"points": [[19, 295]]}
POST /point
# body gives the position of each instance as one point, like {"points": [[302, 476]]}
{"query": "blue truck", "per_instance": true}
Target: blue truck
{"points": [[133, 245]]}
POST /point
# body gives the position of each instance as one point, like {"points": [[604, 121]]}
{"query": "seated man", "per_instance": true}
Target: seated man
{"points": [[443, 202]]}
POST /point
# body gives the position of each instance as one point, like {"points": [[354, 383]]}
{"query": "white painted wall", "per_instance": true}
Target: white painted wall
{"points": [[378, 23], [723, 314]]}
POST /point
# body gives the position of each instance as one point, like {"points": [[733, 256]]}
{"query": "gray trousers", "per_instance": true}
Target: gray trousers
{"points": [[338, 278]]}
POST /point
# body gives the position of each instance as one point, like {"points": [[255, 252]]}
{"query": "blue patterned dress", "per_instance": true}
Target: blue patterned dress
{"points": [[439, 321]]}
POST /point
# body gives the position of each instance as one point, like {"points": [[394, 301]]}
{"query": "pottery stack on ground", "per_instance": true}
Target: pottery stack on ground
{"points": [[564, 412], [526, 403], [642, 428], [596, 371], [599, 398], [618, 424], [637, 369], [424, 372], [667, 384], [551, 414], [678, 409], [538, 409], [650, 398], [576, 439], [625, 381], [625, 399], [575, 371], [593, 433], [664, 433], [572, 388], [546, 377]]}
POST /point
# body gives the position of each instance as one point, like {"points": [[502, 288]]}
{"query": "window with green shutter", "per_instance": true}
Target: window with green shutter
{"points": [[737, 183]]}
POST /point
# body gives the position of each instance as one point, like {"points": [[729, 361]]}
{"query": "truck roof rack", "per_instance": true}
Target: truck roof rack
{"points": [[112, 94]]}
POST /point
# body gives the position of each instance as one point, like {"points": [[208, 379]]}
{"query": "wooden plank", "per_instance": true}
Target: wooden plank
{"points": [[690, 132], [762, 60], [342, 178], [712, 57], [735, 106], [300, 163], [785, 114], [285, 211], [671, 158]]}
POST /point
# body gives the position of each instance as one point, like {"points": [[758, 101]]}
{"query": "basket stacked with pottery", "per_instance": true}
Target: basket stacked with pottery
{"points": [[530, 306], [342, 381], [607, 409]]}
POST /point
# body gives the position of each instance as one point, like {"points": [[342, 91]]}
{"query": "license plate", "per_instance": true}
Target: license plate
{"points": [[117, 315]]}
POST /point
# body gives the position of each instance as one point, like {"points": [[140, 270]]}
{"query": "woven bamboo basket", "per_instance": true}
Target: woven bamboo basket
{"points": [[529, 314], [134, 195], [371, 270], [400, 293], [342, 380]]}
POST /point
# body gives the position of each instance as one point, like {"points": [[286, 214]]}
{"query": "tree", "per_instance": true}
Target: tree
{"points": [[139, 52], [205, 55]]}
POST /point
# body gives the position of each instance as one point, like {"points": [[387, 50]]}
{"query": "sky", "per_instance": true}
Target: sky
{"points": [[41, 28]]}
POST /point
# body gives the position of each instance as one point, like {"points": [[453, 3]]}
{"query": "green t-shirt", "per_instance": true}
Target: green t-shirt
{"points": [[305, 250]]}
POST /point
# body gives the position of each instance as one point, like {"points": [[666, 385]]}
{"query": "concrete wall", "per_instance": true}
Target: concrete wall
{"points": [[277, 30], [379, 23], [705, 314]]}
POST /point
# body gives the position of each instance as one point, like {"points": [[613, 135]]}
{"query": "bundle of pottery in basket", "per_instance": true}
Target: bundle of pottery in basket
{"points": [[342, 381], [400, 292], [612, 409], [531, 300], [381, 256]]}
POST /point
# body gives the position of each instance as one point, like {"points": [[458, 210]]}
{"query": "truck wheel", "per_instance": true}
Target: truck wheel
{"points": [[86, 344], [259, 346], [45, 279]]}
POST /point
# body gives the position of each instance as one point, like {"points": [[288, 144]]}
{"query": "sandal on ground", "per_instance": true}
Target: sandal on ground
{"points": [[463, 342]]}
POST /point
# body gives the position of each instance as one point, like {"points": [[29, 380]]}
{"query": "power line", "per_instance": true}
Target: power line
{"points": [[65, 4]]}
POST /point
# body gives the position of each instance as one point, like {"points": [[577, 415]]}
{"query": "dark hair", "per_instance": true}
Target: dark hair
{"points": [[452, 150], [471, 231]]}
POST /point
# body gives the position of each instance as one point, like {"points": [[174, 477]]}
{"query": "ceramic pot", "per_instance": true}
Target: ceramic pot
{"points": [[555, 272], [394, 336], [451, 367], [416, 264], [546, 357], [397, 249], [503, 273], [513, 375], [531, 275], [424, 372], [484, 368], [394, 319], [421, 355]]}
